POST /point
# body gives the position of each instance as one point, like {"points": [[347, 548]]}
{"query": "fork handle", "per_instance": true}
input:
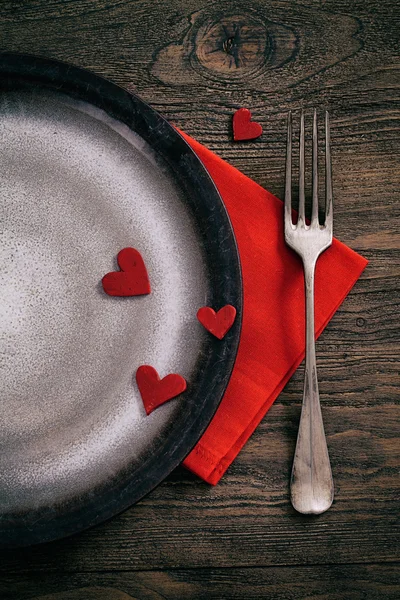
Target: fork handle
{"points": [[311, 484]]}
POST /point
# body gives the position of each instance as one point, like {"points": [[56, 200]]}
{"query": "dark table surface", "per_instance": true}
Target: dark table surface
{"points": [[196, 62]]}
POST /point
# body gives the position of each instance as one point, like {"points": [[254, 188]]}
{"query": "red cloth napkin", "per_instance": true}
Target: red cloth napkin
{"points": [[272, 342]]}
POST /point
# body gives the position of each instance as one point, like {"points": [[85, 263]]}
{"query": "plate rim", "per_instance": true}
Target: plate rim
{"points": [[35, 527]]}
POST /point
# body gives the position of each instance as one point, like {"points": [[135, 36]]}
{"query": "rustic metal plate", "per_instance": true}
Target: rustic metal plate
{"points": [[87, 169]]}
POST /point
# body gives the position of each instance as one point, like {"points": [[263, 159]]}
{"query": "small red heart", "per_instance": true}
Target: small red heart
{"points": [[156, 391], [217, 323], [243, 127], [131, 280]]}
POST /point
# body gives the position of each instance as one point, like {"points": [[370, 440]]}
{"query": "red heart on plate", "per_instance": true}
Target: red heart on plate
{"points": [[217, 323], [156, 391], [243, 127], [132, 279]]}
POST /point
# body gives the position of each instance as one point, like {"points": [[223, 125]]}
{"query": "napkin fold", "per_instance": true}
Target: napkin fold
{"points": [[272, 342]]}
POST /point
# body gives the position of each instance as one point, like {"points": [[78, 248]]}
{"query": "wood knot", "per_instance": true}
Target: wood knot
{"points": [[228, 45], [267, 47], [232, 46]]}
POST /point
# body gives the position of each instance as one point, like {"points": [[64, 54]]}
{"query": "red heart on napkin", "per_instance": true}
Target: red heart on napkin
{"points": [[243, 127], [156, 391], [217, 323], [132, 279]]}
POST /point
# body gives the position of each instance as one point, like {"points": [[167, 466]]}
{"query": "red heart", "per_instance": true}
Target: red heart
{"points": [[217, 323], [156, 391], [132, 279], [243, 127]]}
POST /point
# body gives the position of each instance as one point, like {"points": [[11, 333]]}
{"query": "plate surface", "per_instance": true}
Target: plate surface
{"points": [[87, 169]]}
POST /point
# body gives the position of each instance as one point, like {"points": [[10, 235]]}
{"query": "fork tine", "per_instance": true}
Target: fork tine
{"points": [[314, 214], [328, 176], [288, 180], [301, 218]]}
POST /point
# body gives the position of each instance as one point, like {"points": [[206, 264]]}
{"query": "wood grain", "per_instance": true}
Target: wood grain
{"points": [[328, 582], [197, 63], [247, 518], [88, 593]]}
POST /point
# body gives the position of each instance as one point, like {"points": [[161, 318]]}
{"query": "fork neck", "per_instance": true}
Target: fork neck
{"points": [[309, 276]]}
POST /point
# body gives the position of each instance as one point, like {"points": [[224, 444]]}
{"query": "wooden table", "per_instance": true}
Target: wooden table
{"points": [[196, 62]]}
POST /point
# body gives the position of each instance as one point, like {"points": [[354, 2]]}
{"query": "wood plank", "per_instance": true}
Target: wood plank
{"points": [[348, 582], [247, 519], [87, 593]]}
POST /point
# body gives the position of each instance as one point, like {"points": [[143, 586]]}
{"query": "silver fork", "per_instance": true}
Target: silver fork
{"points": [[311, 484]]}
